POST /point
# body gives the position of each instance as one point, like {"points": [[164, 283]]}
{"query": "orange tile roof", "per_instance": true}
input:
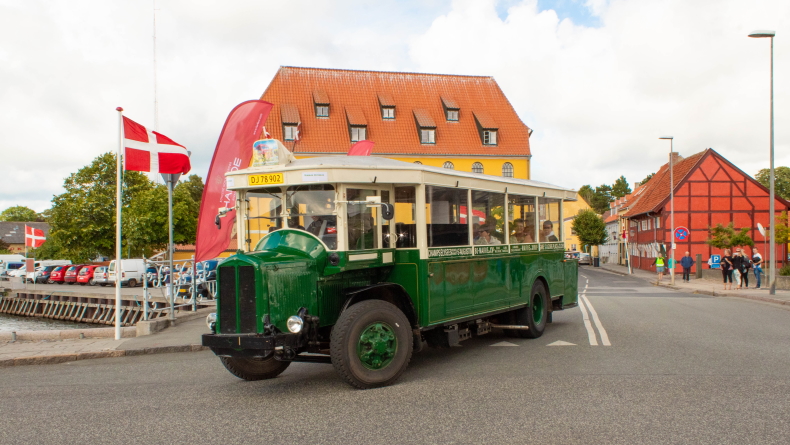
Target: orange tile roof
{"points": [[424, 118], [449, 103], [485, 120], [355, 115], [408, 92], [653, 193]]}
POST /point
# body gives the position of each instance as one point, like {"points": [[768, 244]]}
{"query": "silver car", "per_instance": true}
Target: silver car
{"points": [[100, 276]]}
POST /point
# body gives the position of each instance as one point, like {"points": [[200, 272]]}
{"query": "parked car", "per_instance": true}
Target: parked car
{"points": [[86, 275], [70, 277], [41, 275], [17, 272], [100, 276], [132, 271], [151, 276], [584, 258], [57, 275]]}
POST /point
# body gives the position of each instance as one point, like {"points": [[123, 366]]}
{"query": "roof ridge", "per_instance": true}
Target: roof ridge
{"points": [[383, 72]]}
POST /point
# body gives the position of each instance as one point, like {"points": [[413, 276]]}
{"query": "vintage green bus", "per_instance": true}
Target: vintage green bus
{"points": [[361, 261]]}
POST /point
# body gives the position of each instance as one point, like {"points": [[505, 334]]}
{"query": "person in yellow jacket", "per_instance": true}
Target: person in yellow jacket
{"points": [[660, 263]]}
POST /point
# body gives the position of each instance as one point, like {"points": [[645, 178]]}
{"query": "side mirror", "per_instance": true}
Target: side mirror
{"points": [[217, 222], [387, 211], [221, 212]]}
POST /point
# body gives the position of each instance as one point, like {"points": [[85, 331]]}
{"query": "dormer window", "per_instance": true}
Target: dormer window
{"points": [[452, 115], [289, 115], [388, 112], [425, 126], [387, 106], [321, 101], [489, 137], [451, 109], [358, 133]]}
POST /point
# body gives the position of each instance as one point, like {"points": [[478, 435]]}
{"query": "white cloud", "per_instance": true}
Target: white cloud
{"points": [[597, 97]]}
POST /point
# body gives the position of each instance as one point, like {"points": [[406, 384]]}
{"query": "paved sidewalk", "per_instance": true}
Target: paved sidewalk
{"points": [[183, 337], [705, 286]]}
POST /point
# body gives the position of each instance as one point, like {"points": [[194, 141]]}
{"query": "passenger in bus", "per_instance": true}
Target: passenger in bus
{"points": [[522, 233], [485, 237], [547, 234]]}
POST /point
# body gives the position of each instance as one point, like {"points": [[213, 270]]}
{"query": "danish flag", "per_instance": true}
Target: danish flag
{"points": [[149, 151], [34, 237]]}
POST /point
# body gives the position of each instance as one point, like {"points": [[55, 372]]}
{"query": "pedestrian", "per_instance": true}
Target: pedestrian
{"points": [[746, 264], [726, 268], [686, 262], [737, 259], [659, 262], [757, 264]]}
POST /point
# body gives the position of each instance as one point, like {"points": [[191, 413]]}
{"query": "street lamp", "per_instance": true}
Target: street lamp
{"points": [[671, 262], [772, 263]]}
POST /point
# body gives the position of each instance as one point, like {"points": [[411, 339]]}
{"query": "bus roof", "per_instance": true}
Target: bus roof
{"points": [[370, 169]]}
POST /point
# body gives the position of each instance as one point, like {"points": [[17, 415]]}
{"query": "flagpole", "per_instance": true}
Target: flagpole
{"points": [[118, 203]]}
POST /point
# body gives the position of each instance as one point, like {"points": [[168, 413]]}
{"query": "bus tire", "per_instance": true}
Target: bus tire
{"points": [[535, 315], [371, 344], [252, 369]]}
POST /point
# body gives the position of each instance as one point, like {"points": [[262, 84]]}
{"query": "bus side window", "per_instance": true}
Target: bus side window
{"points": [[549, 220], [361, 221], [405, 212], [444, 207], [521, 219], [488, 212]]}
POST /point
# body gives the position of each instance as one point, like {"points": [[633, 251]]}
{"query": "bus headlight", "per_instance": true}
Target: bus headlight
{"points": [[211, 320], [295, 323]]}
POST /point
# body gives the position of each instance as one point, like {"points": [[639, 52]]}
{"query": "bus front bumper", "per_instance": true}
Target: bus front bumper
{"points": [[253, 345]]}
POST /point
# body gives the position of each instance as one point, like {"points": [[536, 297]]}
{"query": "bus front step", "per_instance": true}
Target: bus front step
{"points": [[510, 326]]}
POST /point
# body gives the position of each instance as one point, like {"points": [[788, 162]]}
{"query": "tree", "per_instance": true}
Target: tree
{"points": [[781, 180], [601, 198], [194, 185], [82, 219], [20, 214], [145, 229], [5, 248], [725, 237], [620, 187], [647, 178], [590, 228], [587, 192]]}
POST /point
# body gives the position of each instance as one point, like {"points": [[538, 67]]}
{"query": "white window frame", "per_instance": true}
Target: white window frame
{"points": [[388, 113], [289, 132], [489, 137], [358, 133], [658, 222], [478, 166], [509, 166], [319, 108], [452, 114], [427, 135], [449, 165]]}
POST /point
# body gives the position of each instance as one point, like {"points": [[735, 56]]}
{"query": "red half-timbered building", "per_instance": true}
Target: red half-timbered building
{"points": [[709, 190]]}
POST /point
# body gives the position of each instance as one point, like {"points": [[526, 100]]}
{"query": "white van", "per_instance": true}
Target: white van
{"points": [[132, 272], [6, 259]]}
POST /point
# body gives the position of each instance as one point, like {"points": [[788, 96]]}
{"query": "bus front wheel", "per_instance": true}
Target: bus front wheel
{"points": [[254, 368], [535, 315], [371, 344]]}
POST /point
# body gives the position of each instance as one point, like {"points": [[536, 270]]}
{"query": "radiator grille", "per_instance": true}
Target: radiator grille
{"points": [[227, 300], [247, 312]]}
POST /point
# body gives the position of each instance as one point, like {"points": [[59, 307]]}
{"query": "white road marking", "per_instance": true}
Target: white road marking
{"points": [[504, 343], [597, 321], [561, 343], [587, 325]]}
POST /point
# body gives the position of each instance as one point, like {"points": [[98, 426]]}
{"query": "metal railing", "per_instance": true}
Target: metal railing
{"points": [[190, 284]]}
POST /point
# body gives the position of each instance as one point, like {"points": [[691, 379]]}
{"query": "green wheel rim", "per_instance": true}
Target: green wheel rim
{"points": [[377, 345], [537, 308]]}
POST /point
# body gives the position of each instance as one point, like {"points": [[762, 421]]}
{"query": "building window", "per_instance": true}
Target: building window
{"points": [[477, 167], [358, 134], [507, 170], [388, 112], [658, 222], [489, 137], [449, 165], [418, 162], [322, 110], [289, 132], [452, 115], [428, 135]]}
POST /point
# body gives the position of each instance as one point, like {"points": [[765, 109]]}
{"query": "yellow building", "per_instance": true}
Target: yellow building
{"points": [[569, 210], [461, 122]]}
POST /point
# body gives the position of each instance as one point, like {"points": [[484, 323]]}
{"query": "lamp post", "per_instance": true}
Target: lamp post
{"points": [[772, 216], [671, 262]]}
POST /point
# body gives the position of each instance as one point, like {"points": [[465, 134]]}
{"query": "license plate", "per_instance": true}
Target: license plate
{"points": [[267, 179]]}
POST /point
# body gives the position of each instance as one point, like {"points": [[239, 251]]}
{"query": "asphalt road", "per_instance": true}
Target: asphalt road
{"points": [[679, 368]]}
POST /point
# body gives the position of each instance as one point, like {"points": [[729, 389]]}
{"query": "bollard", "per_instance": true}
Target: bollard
{"points": [[13, 336], [698, 273]]}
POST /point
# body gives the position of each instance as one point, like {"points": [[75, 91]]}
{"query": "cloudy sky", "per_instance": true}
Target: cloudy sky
{"points": [[598, 80]]}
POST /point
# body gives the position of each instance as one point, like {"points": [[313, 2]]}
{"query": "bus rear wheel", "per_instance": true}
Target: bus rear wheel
{"points": [[251, 369], [535, 315], [371, 344]]}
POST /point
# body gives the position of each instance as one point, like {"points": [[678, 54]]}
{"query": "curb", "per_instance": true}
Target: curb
{"points": [[63, 358]]}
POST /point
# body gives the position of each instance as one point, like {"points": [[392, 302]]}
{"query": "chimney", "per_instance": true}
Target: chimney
{"points": [[676, 158]]}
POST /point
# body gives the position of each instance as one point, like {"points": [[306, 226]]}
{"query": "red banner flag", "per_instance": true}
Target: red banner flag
{"points": [[34, 237], [233, 152], [149, 151], [361, 148]]}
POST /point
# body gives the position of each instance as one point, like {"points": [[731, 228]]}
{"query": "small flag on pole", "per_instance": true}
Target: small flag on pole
{"points": [[34, 237], [149, 151]]}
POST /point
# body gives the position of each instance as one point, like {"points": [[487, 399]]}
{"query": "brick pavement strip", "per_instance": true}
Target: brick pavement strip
{"points": [[63, 358]]}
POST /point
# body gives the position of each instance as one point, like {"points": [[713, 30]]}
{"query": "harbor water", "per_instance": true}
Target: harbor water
{"points": [[11, 323]]}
